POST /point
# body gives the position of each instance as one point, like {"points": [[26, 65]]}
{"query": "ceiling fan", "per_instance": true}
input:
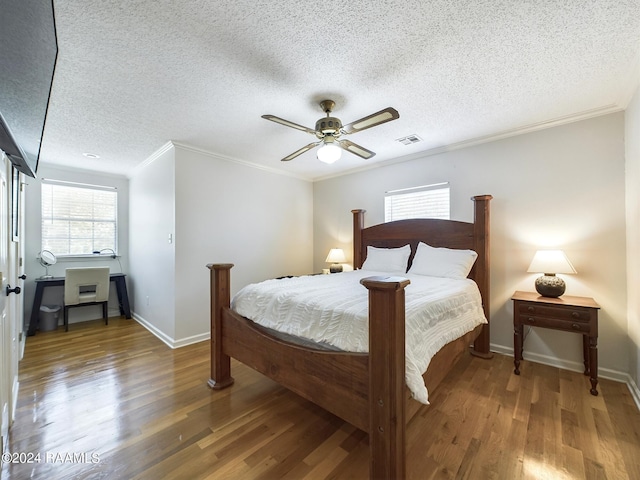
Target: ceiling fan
{"points": [[329, 130]]}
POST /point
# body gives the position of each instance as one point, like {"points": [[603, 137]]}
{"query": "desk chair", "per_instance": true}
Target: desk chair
{"points": [[85, 286]]}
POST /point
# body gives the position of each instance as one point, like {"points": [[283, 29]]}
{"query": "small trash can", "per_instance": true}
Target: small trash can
{"points": [[49, 315]]}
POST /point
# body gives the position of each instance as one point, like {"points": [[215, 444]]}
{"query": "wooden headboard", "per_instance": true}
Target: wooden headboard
{"points": [[437, 233]]}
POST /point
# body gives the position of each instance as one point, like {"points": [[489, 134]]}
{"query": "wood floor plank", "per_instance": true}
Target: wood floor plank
{"points": [[146, 412]]}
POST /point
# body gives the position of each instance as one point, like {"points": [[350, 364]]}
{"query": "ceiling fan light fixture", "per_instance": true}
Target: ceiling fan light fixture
{"points": [[329, 152], [329, 129]]}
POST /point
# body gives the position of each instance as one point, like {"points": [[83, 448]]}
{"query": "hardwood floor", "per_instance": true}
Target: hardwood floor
{"points": [[115, 402]]}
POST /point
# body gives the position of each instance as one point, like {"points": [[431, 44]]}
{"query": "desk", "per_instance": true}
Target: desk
{"points": [[566, 313], [42, 283]]}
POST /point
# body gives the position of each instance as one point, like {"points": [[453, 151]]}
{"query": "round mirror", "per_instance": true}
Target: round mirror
{"points": [[47, 258]]}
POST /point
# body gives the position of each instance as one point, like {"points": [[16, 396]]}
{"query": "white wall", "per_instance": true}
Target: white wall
{"points": [[225, 212], [33, 244], [228, 212], [632, 138], [561, 187], [152, 282]]}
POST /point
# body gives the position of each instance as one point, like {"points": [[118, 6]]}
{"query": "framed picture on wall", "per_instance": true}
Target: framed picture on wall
{"points": [[15, 204]]}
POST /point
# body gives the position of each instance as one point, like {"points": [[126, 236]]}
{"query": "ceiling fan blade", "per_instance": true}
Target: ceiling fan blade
{"points": [[287, 123], [356, 149], [300, 151], [372, 120]]}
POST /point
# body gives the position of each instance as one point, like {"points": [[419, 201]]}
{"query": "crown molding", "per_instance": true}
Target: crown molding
{"points": [[245, 163], [533, 127], [183, 146], [150, 159]]}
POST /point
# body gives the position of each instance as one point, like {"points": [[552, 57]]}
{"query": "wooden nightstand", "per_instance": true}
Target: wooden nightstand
{"points": [[566, 313]]}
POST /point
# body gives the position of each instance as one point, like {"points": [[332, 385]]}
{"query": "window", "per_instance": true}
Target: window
{"points": [[427, 201], [78, 219]]}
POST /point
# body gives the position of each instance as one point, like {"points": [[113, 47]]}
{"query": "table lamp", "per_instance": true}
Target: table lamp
{"points": [[336, 258], [550, 262]]}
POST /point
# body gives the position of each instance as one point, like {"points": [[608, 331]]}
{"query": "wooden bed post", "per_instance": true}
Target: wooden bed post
{"points": [[481, 347], [386, 376], [358, 225], [220, 298]]}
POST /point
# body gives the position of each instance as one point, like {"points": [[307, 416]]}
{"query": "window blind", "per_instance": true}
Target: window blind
{"points": [[78, 220], [431, 201]]}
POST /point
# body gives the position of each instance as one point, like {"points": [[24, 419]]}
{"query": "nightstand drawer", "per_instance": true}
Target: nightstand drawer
{"points": [[574, 314], [556, 323]]}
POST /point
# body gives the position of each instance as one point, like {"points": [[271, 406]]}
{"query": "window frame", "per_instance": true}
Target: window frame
{"points": [[101, 188], [412, 191]]}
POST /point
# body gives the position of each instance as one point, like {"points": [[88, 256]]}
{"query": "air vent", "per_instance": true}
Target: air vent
{"points": [[409, 140]]}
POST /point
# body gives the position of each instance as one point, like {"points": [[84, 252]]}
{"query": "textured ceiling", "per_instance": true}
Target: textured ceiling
{"points": [[133, 75]]}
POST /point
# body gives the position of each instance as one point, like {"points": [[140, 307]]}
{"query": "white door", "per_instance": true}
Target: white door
{"points": [[19, 267], [10, 304], [5, 324], [15, 307]]}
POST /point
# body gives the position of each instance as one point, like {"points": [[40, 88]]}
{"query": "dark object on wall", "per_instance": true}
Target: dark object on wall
{"points": [[28, 53]]}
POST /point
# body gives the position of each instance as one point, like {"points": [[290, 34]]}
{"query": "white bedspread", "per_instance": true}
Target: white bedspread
{"points": [[333, 309]]}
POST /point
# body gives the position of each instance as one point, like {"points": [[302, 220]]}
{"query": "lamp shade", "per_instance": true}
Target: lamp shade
{"points": [[336, 255], [550, 261], [329, 152]]}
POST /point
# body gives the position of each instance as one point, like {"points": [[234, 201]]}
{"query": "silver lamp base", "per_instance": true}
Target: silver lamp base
{"points": [[548, 285]]}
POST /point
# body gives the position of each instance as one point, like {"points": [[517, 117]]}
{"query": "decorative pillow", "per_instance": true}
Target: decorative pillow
{"points": [[442, 262], [392, 260]]}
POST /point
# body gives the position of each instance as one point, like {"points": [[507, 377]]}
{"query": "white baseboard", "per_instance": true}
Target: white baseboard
{"points": [[183, 342], [14, 403], [622, 377], [152, 328], [635, 392], [169, 341]]}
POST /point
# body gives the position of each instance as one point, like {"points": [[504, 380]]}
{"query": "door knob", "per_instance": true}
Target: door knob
{"points": [[23, 277], [16, 290]]}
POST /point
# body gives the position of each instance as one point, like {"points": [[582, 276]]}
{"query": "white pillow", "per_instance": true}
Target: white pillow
{"points": [[442, 262], [392, 260]]}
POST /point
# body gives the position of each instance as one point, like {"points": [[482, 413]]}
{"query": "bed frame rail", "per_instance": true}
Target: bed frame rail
{"points": [[365, 389]]}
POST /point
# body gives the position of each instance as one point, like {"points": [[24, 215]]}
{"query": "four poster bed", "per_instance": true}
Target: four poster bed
{"points": [[367, 389]]}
